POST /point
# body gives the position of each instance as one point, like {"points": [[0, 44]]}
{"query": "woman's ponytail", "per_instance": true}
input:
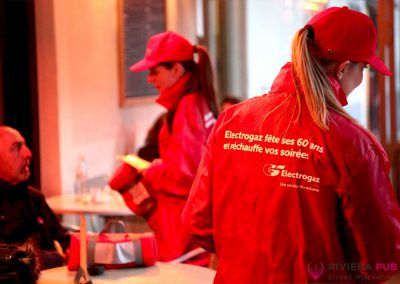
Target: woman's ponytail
{"points": [[205, 78], [310, 77]]}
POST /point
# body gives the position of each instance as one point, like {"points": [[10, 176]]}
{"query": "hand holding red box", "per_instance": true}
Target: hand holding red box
{"points": [[126, 180]]}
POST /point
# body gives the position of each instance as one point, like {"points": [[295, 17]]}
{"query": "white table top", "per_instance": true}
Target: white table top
{"points": [[67, 204], [161, 273]]}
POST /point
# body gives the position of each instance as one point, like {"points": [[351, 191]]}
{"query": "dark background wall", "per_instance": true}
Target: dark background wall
{"points": [[18, 76]]}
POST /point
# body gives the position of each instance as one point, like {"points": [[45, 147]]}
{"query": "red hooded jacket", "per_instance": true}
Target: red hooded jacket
{"points": [[282, 201], [169, 182]]}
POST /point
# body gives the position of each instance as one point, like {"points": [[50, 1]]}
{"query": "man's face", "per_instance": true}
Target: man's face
{"points": [[15, 157]]}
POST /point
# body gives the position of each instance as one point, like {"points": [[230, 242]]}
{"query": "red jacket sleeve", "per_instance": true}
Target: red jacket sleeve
{"points": [[197, 214], [371, 214], [183, 153]]}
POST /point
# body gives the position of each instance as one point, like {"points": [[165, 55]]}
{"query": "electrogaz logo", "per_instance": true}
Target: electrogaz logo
{"points": [[272, 170]]}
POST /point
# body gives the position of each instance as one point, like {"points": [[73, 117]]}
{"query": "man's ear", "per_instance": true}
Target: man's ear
{"points": [[178, 69], [340, 70]]}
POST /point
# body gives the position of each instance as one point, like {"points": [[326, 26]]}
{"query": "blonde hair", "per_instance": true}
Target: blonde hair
{"points": [[311, 78]]}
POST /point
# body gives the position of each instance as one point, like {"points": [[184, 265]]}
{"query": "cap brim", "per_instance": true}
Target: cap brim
{"points": [[379, 66], [141, 65]]}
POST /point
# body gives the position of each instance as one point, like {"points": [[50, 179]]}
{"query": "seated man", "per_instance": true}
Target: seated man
{"points": [[24, 213]]}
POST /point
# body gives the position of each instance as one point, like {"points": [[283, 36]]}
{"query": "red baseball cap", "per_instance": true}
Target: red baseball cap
{"points": [[164, 47], [345, 34]]}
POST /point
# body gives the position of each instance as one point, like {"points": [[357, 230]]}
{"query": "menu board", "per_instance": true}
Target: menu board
{"points": [[139, 20]]}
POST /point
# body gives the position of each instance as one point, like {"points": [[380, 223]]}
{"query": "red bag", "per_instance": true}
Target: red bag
{"points": [[114, 250]]}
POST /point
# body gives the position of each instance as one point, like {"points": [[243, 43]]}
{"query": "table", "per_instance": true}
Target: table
{"points": [[161, 273], [66, 204]]}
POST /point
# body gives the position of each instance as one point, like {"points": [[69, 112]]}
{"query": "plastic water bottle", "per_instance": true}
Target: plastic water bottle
{"points": [[80, 179]]}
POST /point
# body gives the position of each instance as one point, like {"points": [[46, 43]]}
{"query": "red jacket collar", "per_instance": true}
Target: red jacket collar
{"points": [[284, 82], [170, 97]]}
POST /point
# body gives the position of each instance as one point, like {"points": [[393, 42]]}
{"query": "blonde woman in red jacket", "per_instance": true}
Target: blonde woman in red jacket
{"points": [[187, 92], [291, 189]]}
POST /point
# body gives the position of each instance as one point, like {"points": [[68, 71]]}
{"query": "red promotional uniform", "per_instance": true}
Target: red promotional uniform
{"points": [[169, 182], [186, 91], [282, 201]]}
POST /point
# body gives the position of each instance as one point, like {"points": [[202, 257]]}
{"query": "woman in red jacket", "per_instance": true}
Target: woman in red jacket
{"points": [[291, 189], [187, 92]]}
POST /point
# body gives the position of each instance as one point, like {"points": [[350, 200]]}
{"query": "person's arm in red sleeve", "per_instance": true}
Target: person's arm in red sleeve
{"points": [[176, 172], [197, 214], [372, 216]]}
